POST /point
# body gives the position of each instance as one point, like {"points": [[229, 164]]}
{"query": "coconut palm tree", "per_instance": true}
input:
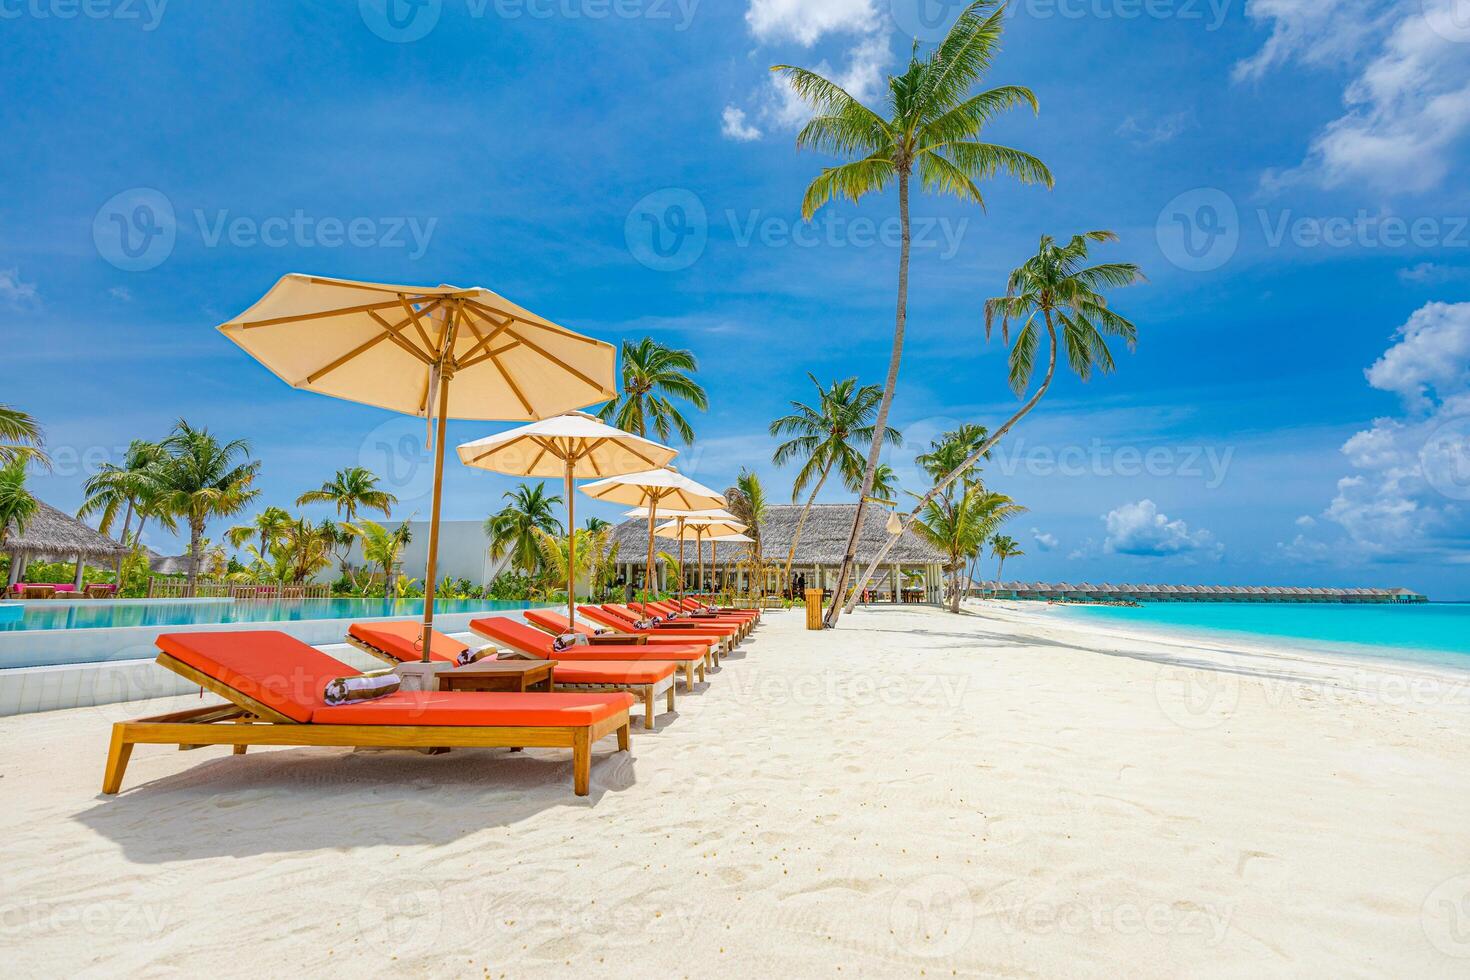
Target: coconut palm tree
{"points": [[825, 437], [122, 487], [20, 437], [512, 531], [382, 548], [931, 123], [200, 478], [17, 506], [1003, 547], [885, 483], [961, 527], [653, 376], [747, 501], [595, 524], [951, 450], [351, 490], [1055, 291], [269, 527]]}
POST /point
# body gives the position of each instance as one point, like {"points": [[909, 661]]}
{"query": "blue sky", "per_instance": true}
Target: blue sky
{"points": [[1295, 413]]}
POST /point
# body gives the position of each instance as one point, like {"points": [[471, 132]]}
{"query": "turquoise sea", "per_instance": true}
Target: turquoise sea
{"points": [[1428, 633]]}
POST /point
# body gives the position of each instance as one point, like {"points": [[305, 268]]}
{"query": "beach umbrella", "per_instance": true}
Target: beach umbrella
{"points": [[714, 550], [654, 490], [698, 529], [436, 352], [574, 446], [680, 516]]}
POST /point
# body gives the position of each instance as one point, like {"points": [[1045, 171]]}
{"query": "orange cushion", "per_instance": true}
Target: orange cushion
{"points": [[401, 640], [277, 670], [624, 617], [517, 636], [613, 672], [492, 710], [671, 653]]}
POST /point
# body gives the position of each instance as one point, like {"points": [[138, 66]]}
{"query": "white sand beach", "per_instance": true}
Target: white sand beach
{"points": [[917, 793]]}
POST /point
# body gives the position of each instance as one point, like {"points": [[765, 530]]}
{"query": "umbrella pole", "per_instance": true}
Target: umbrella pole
{"points": [[571, 550], [681, 561], [714, 561], [428, 633], [648, 571], [699, 543]]}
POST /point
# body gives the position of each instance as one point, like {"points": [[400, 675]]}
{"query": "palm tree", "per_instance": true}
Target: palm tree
{"points": [[825, 437], [1003, 547], [198, 479], [960, 528], [1053, 289], [17, 506], [933, 124], [595, 524], [269, 527], [512, 531], [20, 437], [117, 487], [747, 501], [951, 451], [885, 483], [382, 548], [350, 490], [654, 375]]}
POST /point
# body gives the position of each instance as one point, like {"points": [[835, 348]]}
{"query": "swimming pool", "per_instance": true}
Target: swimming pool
{"points": [[51, 614]]}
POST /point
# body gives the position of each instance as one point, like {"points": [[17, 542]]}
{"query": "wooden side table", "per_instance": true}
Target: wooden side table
{"points": [[500, 675]]}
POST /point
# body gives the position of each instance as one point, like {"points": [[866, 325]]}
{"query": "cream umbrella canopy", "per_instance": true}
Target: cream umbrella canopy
{"points": [[680, 516], [573, 446], [436, 352], [698, 529], [651, 490], [714, 551]]}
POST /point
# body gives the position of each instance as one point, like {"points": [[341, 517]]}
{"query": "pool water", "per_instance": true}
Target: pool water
{"points": [[1433, 632], [113, 613]]}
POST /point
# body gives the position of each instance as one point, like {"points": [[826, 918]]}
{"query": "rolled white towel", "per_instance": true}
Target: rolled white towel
{"points": [[363, 687], [566, 641]]}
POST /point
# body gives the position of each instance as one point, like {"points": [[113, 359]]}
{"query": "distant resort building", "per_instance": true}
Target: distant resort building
{"points": [[912, 572], [55, 536], [1192, 593]]}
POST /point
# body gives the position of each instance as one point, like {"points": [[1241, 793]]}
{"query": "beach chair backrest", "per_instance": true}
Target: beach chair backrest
{"points": [[264, 668], [401, 641], [556, 622], [517, 636]]}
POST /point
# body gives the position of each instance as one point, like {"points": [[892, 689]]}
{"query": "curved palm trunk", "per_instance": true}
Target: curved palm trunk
{"points": [[801, 523], [880, 430], [196, 538], [127, 523], [1000, 571], [976, 456]]}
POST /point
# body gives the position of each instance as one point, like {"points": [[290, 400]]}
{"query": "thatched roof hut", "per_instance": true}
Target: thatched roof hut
{"points": [[52, 535]]}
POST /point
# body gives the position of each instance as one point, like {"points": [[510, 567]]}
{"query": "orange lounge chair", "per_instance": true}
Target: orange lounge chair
{"points": [[275, 686], [696, 605], [626, 626], [526, 641], [557, 624], [632, 615], [398, 642], [667, 609]]}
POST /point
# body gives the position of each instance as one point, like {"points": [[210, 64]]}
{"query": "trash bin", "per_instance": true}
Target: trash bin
{"points": [[813, 609]]}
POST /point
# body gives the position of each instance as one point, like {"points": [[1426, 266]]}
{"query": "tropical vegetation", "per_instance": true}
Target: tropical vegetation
{"points": [[654, 379]]}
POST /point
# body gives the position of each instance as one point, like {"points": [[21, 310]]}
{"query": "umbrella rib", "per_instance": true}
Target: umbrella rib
{"points": [[320, 315], [397, 338], [487, 355], [513, 386], [484, 341], [414, 316], [560, 331], [377, 288], [556, 360], [331, 366]]}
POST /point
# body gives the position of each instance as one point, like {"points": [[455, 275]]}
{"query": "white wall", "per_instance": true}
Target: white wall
{"points": [[464, 552]]}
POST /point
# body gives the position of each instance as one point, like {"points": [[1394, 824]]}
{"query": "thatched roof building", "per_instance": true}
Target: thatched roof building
{"points": [[52, 535], [818, 553]]}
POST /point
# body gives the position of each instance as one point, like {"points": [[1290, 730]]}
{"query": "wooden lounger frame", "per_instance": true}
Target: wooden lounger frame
{"points": [[647, 693], [721, 648], [688, 668], [250, 722]]}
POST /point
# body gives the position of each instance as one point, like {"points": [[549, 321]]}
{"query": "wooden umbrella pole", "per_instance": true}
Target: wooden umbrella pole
{"points": [[648, 571], [428, 632], [681, 560], [699, 547], [714, 561], [571, 548]]}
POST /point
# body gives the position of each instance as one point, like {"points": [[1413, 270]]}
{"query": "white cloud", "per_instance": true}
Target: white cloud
{"points": [[807, 21], [1164, 130], [863, 79], [1139, 529], [1306, 520], [14, 292], [1408, 103], [121, 293], [1044, 541], [734, 126], [1431, 357], [1433, 274], [1303, 549], [1409, 492]]}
